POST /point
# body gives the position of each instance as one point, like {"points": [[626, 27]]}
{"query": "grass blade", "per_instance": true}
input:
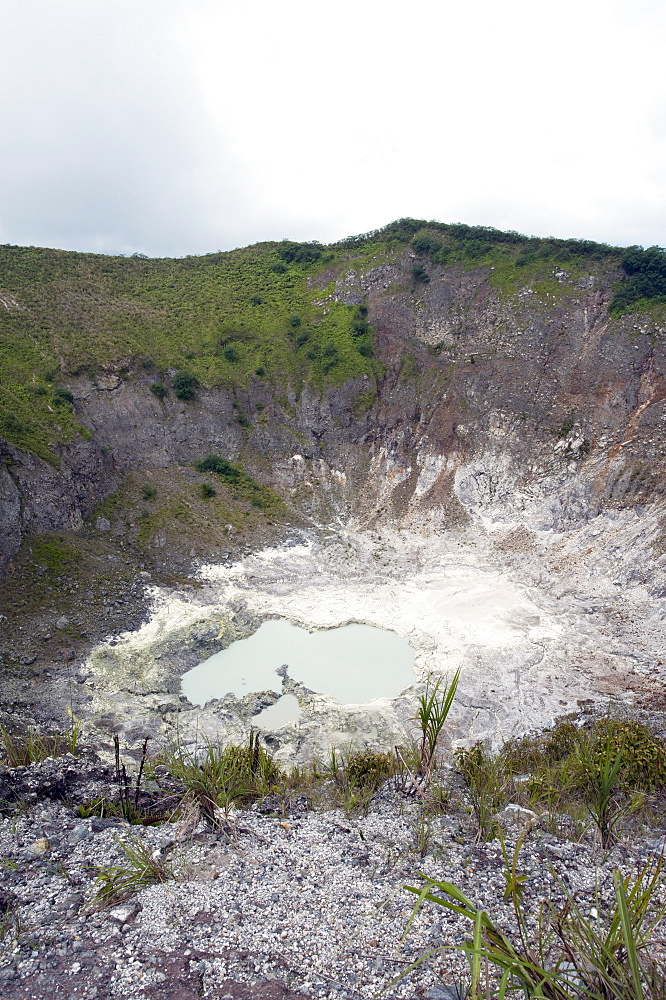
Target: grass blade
{"points": [[628, 934]]}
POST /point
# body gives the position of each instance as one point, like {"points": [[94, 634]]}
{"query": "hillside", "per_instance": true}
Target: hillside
{"points": [[437, 320]]}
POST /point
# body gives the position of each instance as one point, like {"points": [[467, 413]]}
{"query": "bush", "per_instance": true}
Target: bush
{"points": [[62, 397], [159, 389], [148, 492], [208, 491], [232, 355], [300, 253], [32, 747], [569, 952], [13, 425], [362, 331], [358, 776], [368, 768], [426, 245], [646, 270], [419, 274], [184, 385]]}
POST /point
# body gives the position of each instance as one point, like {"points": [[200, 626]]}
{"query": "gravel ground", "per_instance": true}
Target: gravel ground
{"points": [[312, 902]]}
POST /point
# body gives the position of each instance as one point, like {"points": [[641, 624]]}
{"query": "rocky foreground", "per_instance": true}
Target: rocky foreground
{"points": [[281, 899]]}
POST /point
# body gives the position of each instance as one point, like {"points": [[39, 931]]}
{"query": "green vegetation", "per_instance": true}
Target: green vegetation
{"points": [[610, 772], [646, 270], [53, 554], [184, 385], [242, 485], [265, 311], [141, 869], [419, 274], [357, 775], [572, 954], [159, 389], [219, 319], [31, 747], [433, 709], [216, 777]]}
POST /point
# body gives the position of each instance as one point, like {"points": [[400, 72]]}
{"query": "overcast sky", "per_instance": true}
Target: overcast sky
{"points": [[174, 127]]}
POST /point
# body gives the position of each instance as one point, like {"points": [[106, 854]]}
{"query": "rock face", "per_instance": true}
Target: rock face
{"points": [[35, 497], [532, 406]]}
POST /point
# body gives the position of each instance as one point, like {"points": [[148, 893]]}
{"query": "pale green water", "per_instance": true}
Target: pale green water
{"points": [[286, 709], [354, 664]]}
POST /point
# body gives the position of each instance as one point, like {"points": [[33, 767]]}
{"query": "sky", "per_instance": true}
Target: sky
{"points": [[173, 127]]}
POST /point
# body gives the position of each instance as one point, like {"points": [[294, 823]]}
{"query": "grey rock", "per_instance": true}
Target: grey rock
{"points": [[62, 622], [445, 993], [126, 912], [103, 524], [79, 833]]}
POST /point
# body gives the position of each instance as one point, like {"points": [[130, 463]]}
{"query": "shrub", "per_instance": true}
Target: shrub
{"points": [[62, 397], [565, 428], [367, 769], [32, 747], [142, 868], [357, 776], [159, 389], [148, 492], [300, 253], [433, 709], [221, 467], [13, 425], [208, 491], [184, 385], [419, 274], [426, 245], [486, 779], [646, 270], [231, 354], [330, 356]]}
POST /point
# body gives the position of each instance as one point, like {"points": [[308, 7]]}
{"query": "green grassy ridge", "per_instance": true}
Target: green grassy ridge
{"points": [[228, 318]]}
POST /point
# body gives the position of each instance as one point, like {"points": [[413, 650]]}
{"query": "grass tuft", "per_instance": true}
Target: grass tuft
{"points": [[119, 882], [33, 747], [572, 954]]}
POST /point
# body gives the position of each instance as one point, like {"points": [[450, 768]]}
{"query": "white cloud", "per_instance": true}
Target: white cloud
{"points": [[173, 128]]}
